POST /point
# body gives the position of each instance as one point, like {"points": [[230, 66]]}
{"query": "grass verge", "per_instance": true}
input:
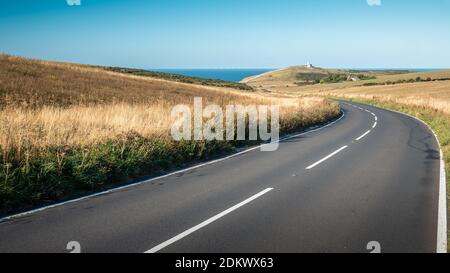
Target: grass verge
{"points": [[68, 129], [32, 176]]}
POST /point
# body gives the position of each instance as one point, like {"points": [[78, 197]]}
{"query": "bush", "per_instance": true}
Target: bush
{"points": [[371, 84]]}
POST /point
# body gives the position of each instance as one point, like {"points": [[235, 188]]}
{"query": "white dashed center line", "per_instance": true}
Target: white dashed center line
{"points": [[207, 222], [365, 134], [327, 157]]}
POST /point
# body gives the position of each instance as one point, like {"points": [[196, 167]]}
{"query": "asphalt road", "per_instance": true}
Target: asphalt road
{"points": [[330, 190]]}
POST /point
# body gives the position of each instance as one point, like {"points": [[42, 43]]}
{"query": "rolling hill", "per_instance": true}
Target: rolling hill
{"points": [[310, 80], [69, 128]]}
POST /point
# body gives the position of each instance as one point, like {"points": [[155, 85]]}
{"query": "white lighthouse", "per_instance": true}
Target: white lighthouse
{"points": [[309, 65]]}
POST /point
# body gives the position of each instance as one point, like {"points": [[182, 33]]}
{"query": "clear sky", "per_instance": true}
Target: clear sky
{"points": [[230, 33]]}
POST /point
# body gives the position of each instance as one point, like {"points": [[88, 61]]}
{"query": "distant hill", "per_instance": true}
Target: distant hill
{"points": [[69, 128], [304, 75], [36, 83], [180, 78], [303, 78]]}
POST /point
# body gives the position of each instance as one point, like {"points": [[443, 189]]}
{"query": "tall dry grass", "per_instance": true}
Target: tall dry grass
{"points": [[433, 95], [67, 128], [46, 103], [84, 125]]}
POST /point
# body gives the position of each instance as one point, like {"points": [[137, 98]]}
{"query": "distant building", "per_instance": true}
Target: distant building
{"points": [[309, 65], [353, 78]]}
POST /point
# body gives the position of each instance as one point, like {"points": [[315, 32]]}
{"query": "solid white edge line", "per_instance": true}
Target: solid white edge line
{"points": [[374, 125], [441, 245], [365, 134], [442, 218], [7, 218], [205, 223], [327, 157]]}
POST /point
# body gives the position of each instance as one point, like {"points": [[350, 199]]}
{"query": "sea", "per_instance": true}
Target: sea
{"points": [[231, 75], [236, 75]]}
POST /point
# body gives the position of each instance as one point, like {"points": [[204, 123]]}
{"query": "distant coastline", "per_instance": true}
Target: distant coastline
{"points": [[231, 75], [239, 74]]}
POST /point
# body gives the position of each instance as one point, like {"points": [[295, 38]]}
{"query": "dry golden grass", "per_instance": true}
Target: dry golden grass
{"points": [[83, 125], [283, 81], [47, 103], [434, 95], [431, 94], [34, 84], [67, 127]]}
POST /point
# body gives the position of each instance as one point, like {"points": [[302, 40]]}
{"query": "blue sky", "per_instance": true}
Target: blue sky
{"points": [[230, 33]]}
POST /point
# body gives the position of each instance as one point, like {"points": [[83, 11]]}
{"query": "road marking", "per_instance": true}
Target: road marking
{"points": [[374, 125], [327, 157], [442, 211], [365, 134], [288, 137], [207, 222]]}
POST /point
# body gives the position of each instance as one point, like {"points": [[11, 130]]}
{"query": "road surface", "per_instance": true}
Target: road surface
{"points": [[372, 176]]}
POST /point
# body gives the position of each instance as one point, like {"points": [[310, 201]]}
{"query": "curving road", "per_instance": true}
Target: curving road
{"points": [[371, 176]]}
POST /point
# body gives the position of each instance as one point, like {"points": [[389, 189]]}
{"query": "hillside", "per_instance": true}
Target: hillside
{"points": [[180, 78], [309, 80], [35, 83], [303, 75], [68, 128]]}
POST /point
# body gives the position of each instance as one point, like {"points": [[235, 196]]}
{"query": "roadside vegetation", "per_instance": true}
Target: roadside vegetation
{"points": [[181, 78], [318, 78], [66, 129], [426, 94], [417, 79]]}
